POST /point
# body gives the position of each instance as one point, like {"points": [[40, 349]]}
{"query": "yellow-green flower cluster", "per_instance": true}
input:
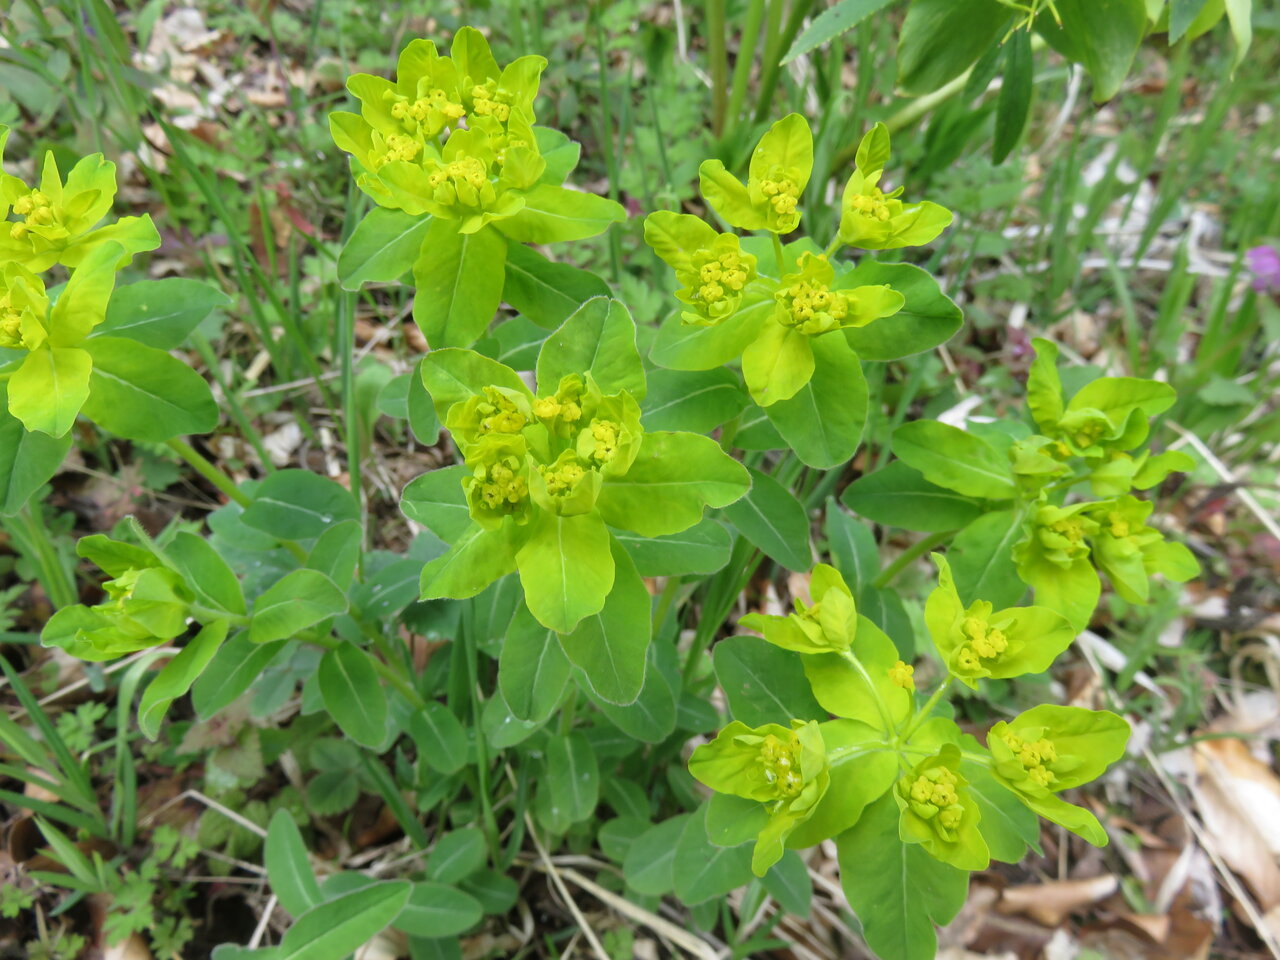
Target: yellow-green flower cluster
{"points": [[489, 152]]}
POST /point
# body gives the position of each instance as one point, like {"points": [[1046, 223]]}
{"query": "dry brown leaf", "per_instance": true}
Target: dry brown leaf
{"points": [[1238, 798], [1052, 902], [132, 948]]}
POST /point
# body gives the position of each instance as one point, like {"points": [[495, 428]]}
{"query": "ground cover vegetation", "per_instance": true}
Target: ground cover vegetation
{"points": [[726, 480]]}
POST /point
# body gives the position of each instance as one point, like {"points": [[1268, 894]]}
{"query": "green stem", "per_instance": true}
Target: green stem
{"points": [[208, 470], [909, 556], [923, 713], [472, 656], [777, 254], [606, 141], [32, 536], [832, 247], [718, 54], [778, 44]]}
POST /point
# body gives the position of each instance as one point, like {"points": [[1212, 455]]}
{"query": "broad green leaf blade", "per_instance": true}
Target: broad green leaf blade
{"points": [[458, 277], [299, 505], [941, 39], [551, 214], [697, 401], [840, 17], [703, 870], [334, 929], [855, 785], [178, 675], [897, 890], [674, 477], [824, 420], [545, 291], [1014, 104], [476, 559], [452, 376], [764, 683], [207, 574], [383, 247], [572, 776], [898, 496], [649, 866], [566, 569], [1007, 825], [703, 548], [774, 521], [1101, 35], [141, 393], [288, 868], [599, 338], [301, 599], [353, 695], [234, 668], [50, 388], [860, 688], [610, 646], [928, 319], [457, 855], [982, 560], [27, 459], [160, 313], [440, 738], [533, 671], [853, 548], [437, 501], [438, 910], [691, 346], [955, 459], [651, 717]]}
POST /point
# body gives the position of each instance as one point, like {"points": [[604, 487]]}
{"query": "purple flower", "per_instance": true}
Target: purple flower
{"points": [[1264, 263]]}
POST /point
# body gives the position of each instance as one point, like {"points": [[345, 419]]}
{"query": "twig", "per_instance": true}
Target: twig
{"points": [[1223, 471], [261, 930], [554, 875]]}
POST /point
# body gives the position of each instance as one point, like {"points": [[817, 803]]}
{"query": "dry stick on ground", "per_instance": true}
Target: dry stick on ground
{"points": [[596, 946]]}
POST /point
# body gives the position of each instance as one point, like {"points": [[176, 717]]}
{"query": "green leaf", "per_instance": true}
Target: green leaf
{"points": [[337, 552], [1014, 104], [691, 346], [572, 776], [458, 277], [928, 319], [763, 683], [336, 928], [27, 459], [565, 568], [853, 548], [298, 504], [437, 501], [476, 559], [955, 459], [824, 420], [440, 738], [701, 869], [422, 412], [610, 646], [649, 867], [697, 401], [545, 291], [383, 247], [206, 573], [600, 339], [858, 687], [50, 387], [840, 17], [672, 479], [353, 695], [1240, 16], [898, 496], [701, 549], [234, 668], [651, 717], [552, 213], [981, 558], [1101, 35], [774, 521], [1007, 825], [940, 39], [178, 675], [1182, 14], [778, 363], [288, 868], [789, 883], [533, 670], [897, 890], [855, 784], [457, 855], [452, 376], [160, 313], [1044, 386], [299, 600], [438, 910], [141, 393]]}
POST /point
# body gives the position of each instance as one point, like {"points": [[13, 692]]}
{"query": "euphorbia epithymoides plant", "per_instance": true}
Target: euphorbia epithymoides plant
{"points": [[586, 480]]}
